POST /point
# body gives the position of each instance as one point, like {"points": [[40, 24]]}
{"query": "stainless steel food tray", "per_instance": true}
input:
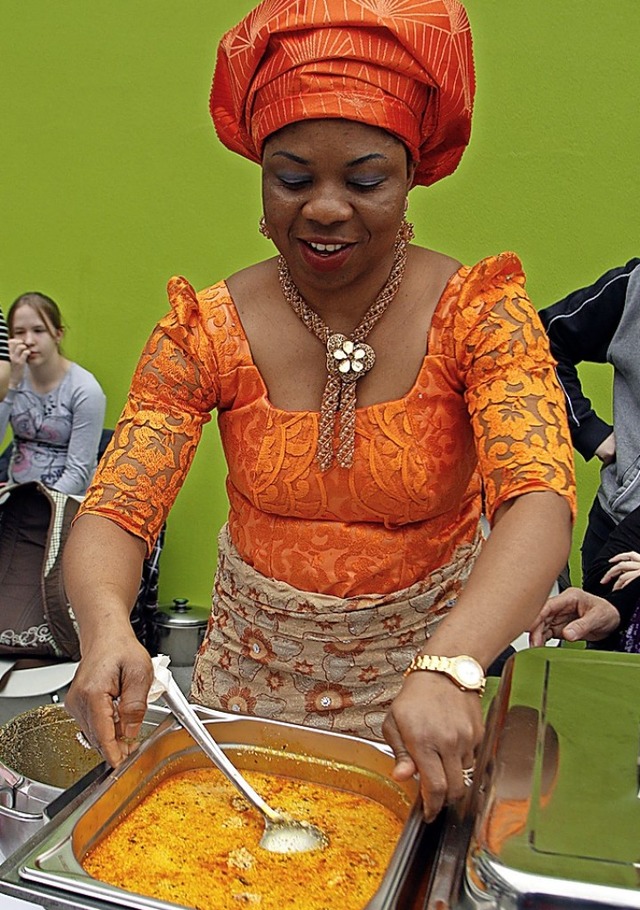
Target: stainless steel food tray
{"points": [[557, 814], [324, 757]]}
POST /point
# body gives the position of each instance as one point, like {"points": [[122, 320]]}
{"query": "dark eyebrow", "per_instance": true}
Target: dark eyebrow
{"points": [[374, 156], [290, 156]]}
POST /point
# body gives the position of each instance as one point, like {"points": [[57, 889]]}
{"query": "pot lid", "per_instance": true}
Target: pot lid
{"points": [[181, 613]]}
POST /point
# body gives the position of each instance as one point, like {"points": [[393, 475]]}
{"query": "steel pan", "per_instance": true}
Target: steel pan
{"points": [[278, 748]]}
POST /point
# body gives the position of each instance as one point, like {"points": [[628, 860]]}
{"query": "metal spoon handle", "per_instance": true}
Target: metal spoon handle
{"points": [[185, 713]]}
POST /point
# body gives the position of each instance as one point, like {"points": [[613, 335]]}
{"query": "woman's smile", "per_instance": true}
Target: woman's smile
{"points": [[326, 257]]}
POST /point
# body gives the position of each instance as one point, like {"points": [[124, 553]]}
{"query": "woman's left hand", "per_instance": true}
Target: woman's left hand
{"points": [[434, 729], [625, 568]]}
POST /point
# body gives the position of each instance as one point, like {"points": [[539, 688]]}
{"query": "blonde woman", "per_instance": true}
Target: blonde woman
{"points": [[55, 407]]}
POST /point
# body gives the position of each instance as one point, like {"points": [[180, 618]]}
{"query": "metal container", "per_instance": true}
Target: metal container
{"points": [[177, 630], [334, 759], [40, 758], [555, 816]]}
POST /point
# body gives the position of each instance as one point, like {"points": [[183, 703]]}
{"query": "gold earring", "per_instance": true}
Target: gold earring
{"points": [[406, 232], [264, 230]]}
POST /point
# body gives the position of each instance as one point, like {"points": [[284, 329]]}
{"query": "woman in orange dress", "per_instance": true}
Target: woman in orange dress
{"points": [[373, 398]]}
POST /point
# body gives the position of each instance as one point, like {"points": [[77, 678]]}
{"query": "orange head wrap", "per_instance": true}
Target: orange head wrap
{"points": [[403, 65]]}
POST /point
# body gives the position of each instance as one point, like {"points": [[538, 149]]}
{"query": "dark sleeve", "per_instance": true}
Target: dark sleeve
{"points": [[580, 328], [4, 338], [624, 537]]}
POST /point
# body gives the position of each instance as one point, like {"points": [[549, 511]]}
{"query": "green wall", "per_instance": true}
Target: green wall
{"points": [[112, 180]]}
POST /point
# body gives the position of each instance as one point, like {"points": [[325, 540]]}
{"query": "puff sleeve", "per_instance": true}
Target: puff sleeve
{"points": [[173, 391]]}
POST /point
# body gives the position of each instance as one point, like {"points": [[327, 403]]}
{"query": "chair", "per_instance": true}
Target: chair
{"points": [[5, 458], [15, 678]]}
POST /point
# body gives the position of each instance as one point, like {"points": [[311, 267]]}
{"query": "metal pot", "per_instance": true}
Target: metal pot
{"points": [[177, 630], [40, 757]]}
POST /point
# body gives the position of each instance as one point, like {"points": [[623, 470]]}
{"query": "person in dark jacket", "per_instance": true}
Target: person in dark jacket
{"points": [[605, 612], [600, 323]]}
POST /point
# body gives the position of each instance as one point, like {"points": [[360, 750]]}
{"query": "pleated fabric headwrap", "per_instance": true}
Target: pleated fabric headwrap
{"points": [[403, 65]]}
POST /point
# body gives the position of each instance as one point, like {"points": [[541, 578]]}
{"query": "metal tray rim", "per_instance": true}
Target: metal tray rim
{"points": [[73, 878]]}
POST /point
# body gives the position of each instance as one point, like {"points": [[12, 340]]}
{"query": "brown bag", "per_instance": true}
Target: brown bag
{"points": [[35, 617]]}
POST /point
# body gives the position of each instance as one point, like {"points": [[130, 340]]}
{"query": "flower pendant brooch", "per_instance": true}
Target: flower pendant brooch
{"points": [[348, 359]]}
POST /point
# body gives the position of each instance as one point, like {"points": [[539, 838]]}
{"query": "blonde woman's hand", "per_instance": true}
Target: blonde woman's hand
{"points": [[625, 568], [434, 729], [574, 615], [18, 355]]}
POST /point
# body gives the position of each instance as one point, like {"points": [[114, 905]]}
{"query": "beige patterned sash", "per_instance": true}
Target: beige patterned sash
{"points": [[327, 662]]}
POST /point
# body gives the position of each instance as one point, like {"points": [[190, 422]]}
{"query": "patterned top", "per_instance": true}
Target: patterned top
{"points": [[486, 404], [4, 338], [56, 435]]}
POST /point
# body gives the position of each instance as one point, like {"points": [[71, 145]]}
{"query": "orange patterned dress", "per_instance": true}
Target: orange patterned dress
{"points": [[484, 422]]}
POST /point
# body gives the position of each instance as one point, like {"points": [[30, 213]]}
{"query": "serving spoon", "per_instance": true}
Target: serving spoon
{"points": [[282, 833]]}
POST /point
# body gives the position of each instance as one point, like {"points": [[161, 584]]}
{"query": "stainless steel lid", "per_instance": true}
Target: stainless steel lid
{"points": [[559, 812], [179, 613]]}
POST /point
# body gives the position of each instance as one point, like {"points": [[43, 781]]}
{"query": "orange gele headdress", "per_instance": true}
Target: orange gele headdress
{"points": [[403, 65]]}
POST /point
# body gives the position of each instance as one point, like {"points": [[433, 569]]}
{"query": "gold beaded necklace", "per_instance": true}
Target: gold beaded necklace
{"points": [[348, 358]]}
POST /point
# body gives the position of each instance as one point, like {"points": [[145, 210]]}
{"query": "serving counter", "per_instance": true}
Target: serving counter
{"points": [[553, 818]]}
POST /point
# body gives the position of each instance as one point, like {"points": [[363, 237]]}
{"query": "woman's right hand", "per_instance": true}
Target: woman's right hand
{"points": [[18, 355], [108, 695], [574, 615], [102, 566]]}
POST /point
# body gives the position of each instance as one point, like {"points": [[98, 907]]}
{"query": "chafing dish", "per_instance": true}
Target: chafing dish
{"points": [[555, 816], [320, 756], [553, 819]]}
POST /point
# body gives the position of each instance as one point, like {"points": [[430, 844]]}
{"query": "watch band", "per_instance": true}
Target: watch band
{"points": [[463, 670]]}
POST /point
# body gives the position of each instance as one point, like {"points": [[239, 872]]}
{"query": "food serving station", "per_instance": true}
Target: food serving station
{"points": [[552, 820]]}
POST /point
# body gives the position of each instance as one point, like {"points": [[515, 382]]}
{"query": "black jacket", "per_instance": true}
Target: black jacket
{"points": [[581, 327]]}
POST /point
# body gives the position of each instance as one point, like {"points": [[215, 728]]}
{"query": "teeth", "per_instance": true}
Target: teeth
{"points": [[327, 247]]}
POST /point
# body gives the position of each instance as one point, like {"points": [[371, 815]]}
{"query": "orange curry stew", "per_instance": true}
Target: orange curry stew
{"points": [[194, 840]]}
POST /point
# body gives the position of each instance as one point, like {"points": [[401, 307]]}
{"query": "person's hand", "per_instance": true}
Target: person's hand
{"points": [[625, 568], [108, 695], [434, 729], [18, 356], [606, 451], [574, 615]]}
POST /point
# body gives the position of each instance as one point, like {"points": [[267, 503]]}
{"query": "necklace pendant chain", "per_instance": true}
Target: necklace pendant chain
{"points": [[348, 358]]}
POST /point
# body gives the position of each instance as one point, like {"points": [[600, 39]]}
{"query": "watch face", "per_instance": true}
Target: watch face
{"points": [[469, 672]]}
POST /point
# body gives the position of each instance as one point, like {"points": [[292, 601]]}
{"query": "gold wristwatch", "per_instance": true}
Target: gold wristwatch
{"points": [[465, 671]]}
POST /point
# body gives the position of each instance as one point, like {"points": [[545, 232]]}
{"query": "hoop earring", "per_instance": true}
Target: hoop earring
{"points": [[264, 230]]}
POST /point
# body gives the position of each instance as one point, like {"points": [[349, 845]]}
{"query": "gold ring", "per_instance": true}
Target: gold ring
{"points": [[128, 740]]}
